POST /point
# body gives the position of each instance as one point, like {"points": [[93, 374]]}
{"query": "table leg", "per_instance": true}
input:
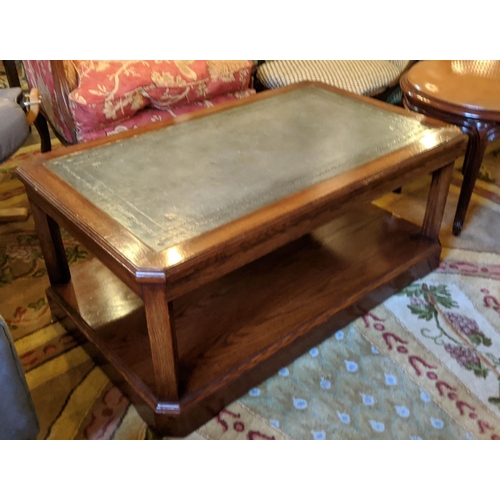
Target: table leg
{"points": [[478, 140], [49, 235], [43, 131], [163, 342], [436, 201]]}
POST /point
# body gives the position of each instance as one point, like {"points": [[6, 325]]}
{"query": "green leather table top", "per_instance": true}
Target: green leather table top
{"points": [[172, 184]]}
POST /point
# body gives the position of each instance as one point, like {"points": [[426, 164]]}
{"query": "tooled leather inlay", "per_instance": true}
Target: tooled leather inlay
{"points": [[176, 183]]}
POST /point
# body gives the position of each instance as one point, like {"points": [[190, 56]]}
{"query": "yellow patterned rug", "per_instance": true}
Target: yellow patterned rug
{"points": [[423, 365]]}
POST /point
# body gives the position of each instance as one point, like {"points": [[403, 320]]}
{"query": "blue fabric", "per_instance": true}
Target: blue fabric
{"points": [[14, 128], [18, 418]]}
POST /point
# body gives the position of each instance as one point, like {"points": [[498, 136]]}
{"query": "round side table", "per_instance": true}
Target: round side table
{"points": [[463, 93]]}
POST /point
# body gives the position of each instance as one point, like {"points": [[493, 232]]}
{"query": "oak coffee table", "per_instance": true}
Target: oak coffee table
{"points": [[230, 241]]}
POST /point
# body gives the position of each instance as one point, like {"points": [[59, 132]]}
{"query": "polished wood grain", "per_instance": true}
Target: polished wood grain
{"points": [[264, 307], [466, 94], [480, 135], [163, 340], [102, 236], [469, 88], [217, 252], [113, 319], [241, 241], [436, 201], [62, 89], [50, 240], [185, 338], [238, 330]]}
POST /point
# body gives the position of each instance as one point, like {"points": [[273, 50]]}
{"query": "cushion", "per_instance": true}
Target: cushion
{"points": [[359, 77], [112, 91], [148, 116]]}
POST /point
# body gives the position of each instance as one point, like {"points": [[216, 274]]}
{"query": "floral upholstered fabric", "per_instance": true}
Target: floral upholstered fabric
{"points": [[148, 116], [110, 93]]}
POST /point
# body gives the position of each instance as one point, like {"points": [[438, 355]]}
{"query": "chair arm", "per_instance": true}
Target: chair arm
{"points": [[51, 78], [63, 87]]}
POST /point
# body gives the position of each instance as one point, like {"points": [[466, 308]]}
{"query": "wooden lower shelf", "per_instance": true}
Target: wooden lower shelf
{"points": [[238, 330]]}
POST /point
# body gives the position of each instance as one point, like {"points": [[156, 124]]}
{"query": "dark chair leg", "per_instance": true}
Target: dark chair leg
{"points": [[478, 140], [11, 72], [257, 85], [43, 131]]}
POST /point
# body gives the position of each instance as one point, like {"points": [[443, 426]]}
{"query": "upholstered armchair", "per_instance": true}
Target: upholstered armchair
{"points": [[86, 100]]}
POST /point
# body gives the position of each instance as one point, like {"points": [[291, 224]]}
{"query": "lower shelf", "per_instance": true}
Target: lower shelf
{"points": [[236, 331]]}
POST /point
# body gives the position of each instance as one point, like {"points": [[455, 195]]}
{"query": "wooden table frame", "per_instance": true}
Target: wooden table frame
{"points": [[184, 338]]}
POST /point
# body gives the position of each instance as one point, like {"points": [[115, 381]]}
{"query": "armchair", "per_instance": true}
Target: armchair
{"points": [[86, 100]]}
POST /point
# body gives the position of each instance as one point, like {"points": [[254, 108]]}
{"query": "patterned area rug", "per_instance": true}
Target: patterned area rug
{"points": [[423, 365]]}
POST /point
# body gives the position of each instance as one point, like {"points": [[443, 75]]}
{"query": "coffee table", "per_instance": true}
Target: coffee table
{"points": [[231, 241]]}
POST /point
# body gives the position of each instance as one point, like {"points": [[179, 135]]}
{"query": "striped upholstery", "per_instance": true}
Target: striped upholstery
{"points": [[401, 65], [360, 77]]}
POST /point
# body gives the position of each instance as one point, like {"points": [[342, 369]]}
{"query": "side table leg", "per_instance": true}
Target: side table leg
{"points": [[436, 201], [49, 235], [478, 140], [11, 73], [43, 131], [163, 342]]}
